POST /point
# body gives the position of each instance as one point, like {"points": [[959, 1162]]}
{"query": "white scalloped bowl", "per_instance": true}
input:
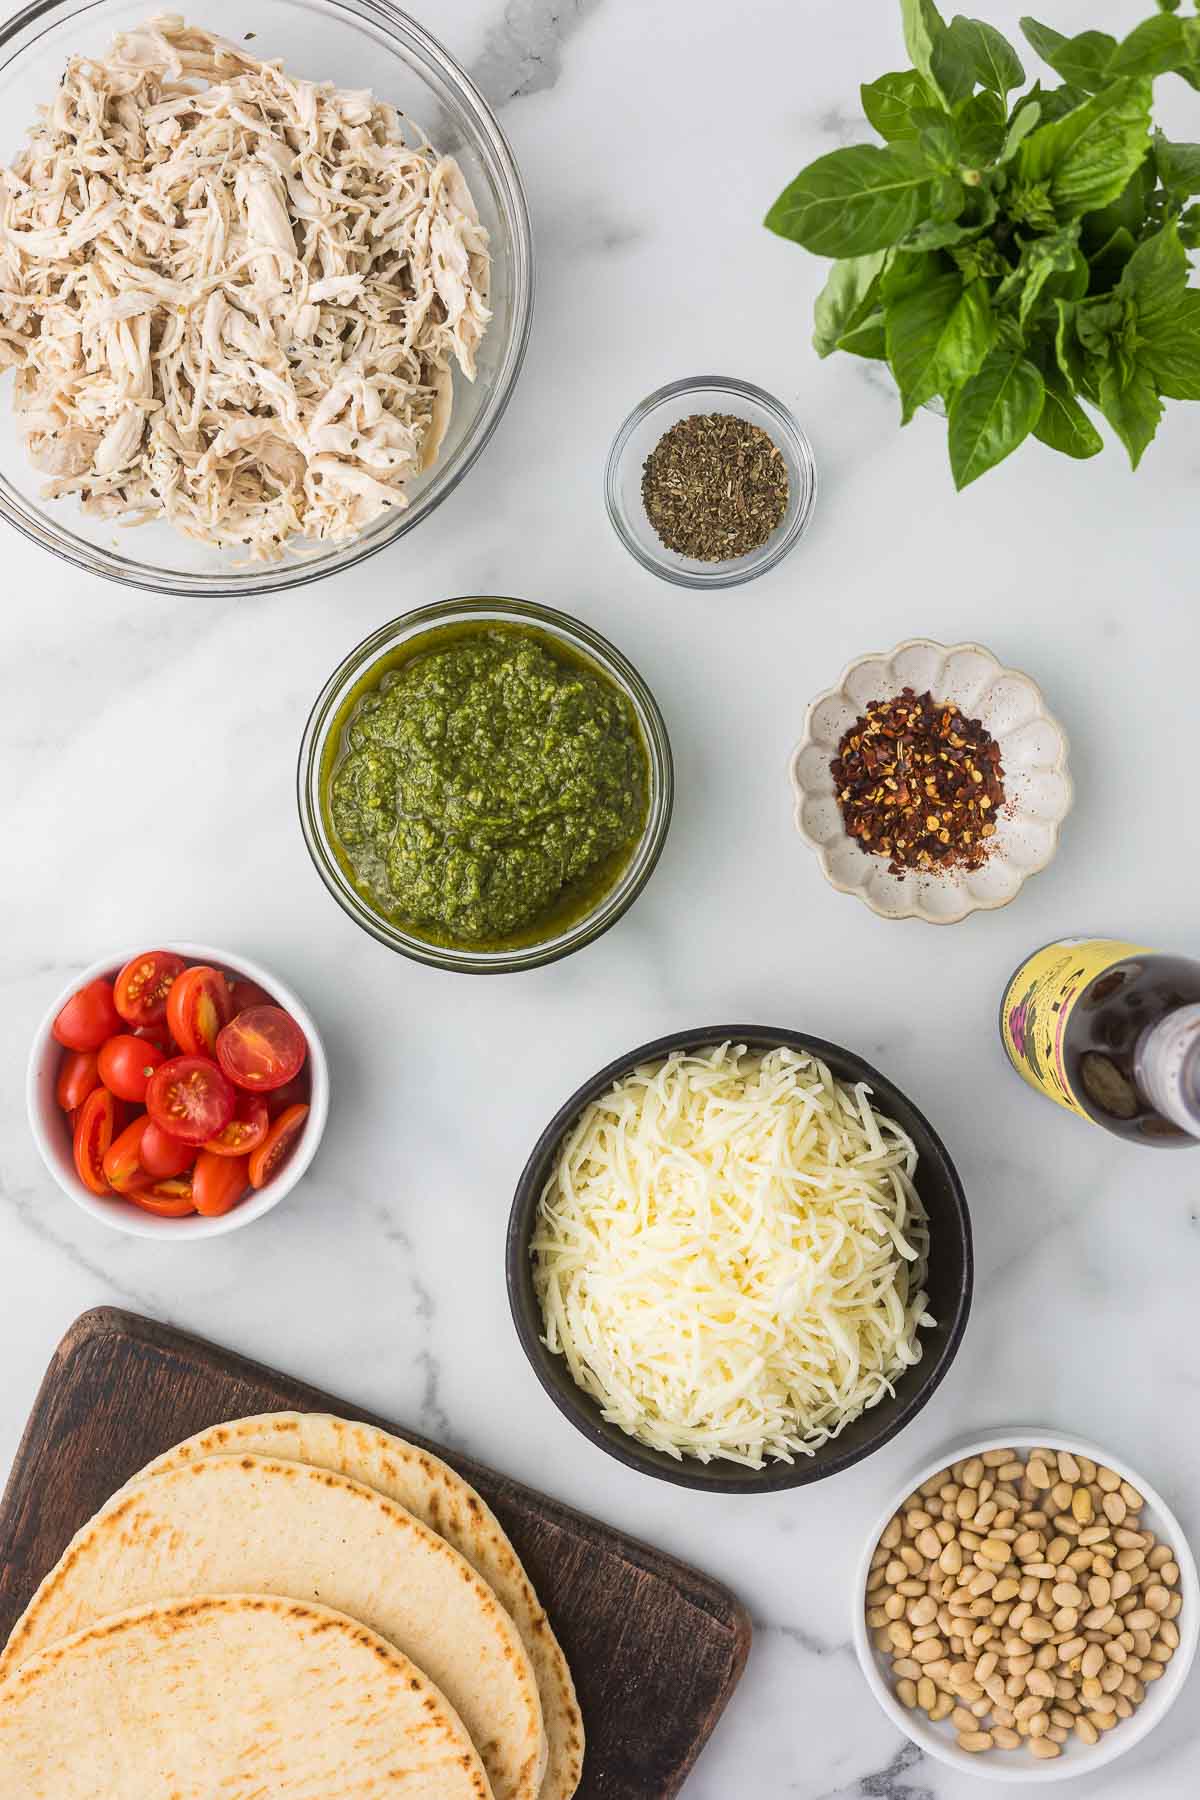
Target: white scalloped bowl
{"points": [[1033, 752]]}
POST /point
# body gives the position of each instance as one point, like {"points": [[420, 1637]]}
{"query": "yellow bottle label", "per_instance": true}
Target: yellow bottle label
{"points": [[1038, 1004]]}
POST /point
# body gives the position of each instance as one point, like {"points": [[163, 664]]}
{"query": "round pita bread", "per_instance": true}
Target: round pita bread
{"points": [[251, 1525], [438, 1496], [242, 1695]]}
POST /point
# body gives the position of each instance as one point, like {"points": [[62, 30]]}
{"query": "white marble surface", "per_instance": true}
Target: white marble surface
{"points": [[148, 749]]}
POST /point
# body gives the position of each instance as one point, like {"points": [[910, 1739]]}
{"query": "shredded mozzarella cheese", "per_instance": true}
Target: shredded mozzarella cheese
{"points": [[731, 1254]]}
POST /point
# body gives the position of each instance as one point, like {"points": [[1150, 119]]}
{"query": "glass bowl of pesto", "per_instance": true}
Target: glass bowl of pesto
{"points": [[721, 476], [485, 785]]}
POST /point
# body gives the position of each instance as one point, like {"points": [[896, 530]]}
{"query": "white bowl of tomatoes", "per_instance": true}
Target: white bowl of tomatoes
{"points": [[178, 1091]]}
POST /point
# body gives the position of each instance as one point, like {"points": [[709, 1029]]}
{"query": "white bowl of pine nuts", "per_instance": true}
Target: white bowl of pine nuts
{"points": [[1027, 1609]]}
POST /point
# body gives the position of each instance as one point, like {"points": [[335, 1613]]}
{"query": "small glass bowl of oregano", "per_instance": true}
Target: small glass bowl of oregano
{"points": [[710, 482]]}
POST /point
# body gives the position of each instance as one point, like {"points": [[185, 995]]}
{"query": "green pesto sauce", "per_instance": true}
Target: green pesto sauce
{"points": [[483, 786]]}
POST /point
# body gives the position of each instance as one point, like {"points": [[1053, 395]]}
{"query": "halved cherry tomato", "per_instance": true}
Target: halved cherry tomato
{"points": [[123, 1166], [168, 1199], [270, 1157], [126, 1064], [197, 1007], [78, 1074], [164, 1156], [246, 994], [190, 1098], [93, 1134], [218, 1182], [152, 1034], [262, 1048], [88, 1017], [245, 1131], [143, 985]]}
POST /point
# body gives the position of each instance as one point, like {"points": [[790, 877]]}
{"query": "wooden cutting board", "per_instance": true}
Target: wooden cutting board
{"points": [[655, 1647]]}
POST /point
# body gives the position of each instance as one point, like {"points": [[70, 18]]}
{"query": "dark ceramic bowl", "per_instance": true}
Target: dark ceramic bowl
{"points": [[949, 1283]]}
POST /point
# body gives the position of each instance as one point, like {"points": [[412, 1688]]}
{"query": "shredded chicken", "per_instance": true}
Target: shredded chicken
{"points": [[232, 298]]}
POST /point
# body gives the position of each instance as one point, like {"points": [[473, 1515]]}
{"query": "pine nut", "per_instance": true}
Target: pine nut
{"points": [[1004, 1739], [975, 1740], [906, 1693], [1044, 1747], [926, 1694]]}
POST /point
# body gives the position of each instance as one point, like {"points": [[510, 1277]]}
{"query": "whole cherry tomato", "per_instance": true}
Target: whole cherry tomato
{"points": [[190, 1098], [163, 1156], [126, 1064], [88, 1017], [218, 1183], [262, 1049], [143, 985], [78, 1074], [245, 994], [282, 1139]]}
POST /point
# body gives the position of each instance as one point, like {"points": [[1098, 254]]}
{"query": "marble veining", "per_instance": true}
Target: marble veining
{"points": [[147, 748]]}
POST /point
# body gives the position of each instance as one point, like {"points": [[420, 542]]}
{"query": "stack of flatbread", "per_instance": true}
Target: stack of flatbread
{"points": [[289, 1606]]}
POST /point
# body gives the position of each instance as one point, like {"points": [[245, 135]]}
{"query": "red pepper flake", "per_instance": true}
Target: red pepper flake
{"points": [[920, 784]]}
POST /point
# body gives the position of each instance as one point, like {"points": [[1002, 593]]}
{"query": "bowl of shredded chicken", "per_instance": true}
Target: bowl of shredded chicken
{"points": [[731, 1254], [243, 301]]}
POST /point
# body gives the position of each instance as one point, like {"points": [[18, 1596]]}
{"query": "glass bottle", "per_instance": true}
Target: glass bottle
{"points": [[1112, 1032]]}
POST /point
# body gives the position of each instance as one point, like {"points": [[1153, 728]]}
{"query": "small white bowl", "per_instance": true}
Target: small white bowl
{"points": [[1033, 752], [1077, 1757], [48, 1123]]}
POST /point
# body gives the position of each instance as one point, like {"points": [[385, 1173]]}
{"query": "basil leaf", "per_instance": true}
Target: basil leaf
{"points": [[1178, 166], [1128, 209], [915, 324], [934, 51], [1107, 265], [1167, 5], [939, 146], [937, 337], [851, 202], [1171, 351], [1064, 425], [1155, 278], [935, 234], [1086, 158], [895, 104], [1023, 122], [992, 414], [1132, 407], [1082, 61], [867, 339], [1057, 102], [980, 125], [1047, 257], [968, 338], [993, 62], [1070, 355], [846, 299], [1155, 47], [905, 274]]}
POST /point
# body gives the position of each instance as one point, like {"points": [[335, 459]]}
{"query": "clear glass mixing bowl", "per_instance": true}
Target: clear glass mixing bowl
{"points": [[356, 44]]}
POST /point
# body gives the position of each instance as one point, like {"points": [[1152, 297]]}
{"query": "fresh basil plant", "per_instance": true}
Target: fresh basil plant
{"points": [[1015, 252]]}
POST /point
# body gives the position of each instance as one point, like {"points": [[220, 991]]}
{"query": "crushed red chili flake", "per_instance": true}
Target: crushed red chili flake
{"points": [[920, 784]]}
